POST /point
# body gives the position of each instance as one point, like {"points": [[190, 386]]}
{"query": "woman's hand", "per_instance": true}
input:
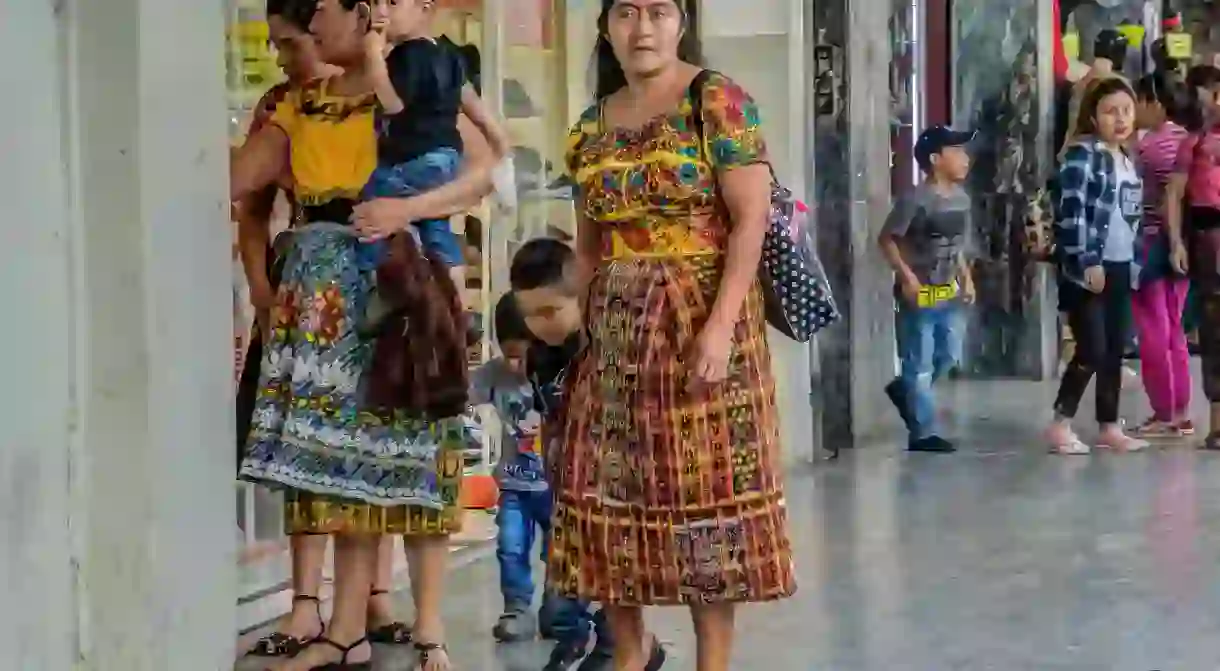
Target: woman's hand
{"points": [[1178, 257], [382, 217], [1095, 279], [712, 349]]}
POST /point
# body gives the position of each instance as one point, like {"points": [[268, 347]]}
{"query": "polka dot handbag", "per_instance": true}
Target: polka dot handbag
{"points": [[796, 293], [795, 289]]}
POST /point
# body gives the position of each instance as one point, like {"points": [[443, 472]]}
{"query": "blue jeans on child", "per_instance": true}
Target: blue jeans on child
{"points": [[929, 346], [521, 517], [418, 175]]}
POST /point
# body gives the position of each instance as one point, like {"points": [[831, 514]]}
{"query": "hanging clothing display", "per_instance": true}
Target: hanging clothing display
{"points": [[1059, 58]]}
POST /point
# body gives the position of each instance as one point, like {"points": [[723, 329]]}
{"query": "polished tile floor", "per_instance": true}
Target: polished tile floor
{"points": [[999, 557]]}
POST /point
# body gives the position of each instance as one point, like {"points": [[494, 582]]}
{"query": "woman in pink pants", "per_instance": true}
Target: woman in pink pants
{"points": [[1161, 297]]}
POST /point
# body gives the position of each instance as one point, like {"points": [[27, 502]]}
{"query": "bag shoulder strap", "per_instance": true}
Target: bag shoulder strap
{"points": [[695, 92]]}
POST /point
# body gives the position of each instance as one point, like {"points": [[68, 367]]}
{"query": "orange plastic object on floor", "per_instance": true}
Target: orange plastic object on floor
{"points": [[479, 492]]}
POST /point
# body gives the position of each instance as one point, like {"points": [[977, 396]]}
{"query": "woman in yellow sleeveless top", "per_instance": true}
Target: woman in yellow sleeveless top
{"points": [[347, 468]]}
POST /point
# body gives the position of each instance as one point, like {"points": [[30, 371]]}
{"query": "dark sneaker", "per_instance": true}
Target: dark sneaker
{"points": [[656, 657], [566, 654], [515, 626], [897, 394], [931, 444], [1212, 442], [597, 660]]}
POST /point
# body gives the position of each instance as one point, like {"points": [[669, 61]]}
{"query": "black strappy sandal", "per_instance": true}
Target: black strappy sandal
{"points": [[279, 644], [394, 633], [343, 664], [426, 650]]}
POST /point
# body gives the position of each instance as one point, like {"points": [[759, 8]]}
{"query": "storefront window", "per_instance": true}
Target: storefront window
{"points": [[535, 90], [995, 92], [251, 70], [905, 94]]}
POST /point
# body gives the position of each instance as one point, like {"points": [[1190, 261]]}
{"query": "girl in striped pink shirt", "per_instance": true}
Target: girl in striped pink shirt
{"points": [[1158, 303]]}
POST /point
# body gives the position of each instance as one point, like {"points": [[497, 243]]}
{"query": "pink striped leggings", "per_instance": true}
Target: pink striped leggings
{"points": [[1164, 357]]}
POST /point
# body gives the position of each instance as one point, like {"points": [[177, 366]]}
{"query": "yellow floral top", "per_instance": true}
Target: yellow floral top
{"points": [[652, 189], [333, 142]]}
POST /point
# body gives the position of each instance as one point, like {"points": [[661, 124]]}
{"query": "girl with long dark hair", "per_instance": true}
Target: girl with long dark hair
{"points": [[669, 491], [1163, 105], [1098, 245]]}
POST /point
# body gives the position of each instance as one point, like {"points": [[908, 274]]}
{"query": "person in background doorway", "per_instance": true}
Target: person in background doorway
{"points": [[1097, 238], [926, 240], [1193, 201], [1161, 297]]}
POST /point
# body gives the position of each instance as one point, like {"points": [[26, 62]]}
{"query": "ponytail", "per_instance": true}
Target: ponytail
{"points": [[1199, 77]]}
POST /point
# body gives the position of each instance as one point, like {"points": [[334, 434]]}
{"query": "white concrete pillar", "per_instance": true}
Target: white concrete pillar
{"points": [[761, 46], [118, 505]]}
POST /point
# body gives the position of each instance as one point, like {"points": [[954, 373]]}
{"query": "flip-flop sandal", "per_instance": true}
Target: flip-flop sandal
{"points": [[394, 633], [1131, 444], [279, 644], [343, 664], [1211, 443], [426, 650]]}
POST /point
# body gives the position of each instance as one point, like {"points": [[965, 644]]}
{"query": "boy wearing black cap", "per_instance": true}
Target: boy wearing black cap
{"points": [[925, 240]]}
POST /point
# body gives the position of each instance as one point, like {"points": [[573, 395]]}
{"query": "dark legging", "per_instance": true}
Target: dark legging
{"points": [[1099, 325], [1205, 281]]}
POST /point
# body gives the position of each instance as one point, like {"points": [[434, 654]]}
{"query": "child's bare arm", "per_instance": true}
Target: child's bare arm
{"points": [[383, 86], [476, 110]]}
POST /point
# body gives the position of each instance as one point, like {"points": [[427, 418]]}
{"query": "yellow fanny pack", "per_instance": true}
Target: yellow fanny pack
{"points": [[932, 295]]}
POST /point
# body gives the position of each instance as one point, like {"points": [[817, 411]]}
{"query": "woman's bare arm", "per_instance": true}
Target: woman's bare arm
{"points": [[253, 239], [747, 193], [477, 111], [258, 163], [1175, 195]]}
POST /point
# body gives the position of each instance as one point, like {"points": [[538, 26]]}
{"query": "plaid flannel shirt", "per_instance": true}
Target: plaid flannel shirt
{"points": [[1088, 197]]}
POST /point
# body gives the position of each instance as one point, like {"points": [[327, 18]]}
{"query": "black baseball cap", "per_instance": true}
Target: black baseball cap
{"points": [[934, 140]]}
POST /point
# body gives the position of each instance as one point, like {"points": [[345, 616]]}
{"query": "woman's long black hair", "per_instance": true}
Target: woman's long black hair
{"points": [[1199, 77], [297, 12], [608, 73], [1168, 90]]}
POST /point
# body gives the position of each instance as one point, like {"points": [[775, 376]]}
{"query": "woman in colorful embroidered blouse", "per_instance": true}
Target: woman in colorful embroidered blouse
{"points": [[669, 492], [349, 467]]}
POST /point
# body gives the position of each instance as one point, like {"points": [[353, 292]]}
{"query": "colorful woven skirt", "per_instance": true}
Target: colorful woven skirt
{"points": [[344, 467], [667, 495]]}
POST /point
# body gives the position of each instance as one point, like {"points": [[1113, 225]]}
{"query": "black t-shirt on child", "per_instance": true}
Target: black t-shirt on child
{"points": [[428, 77]]}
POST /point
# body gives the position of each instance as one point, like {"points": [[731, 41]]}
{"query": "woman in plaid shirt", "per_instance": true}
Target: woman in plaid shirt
{"points": [[1097, 238]]}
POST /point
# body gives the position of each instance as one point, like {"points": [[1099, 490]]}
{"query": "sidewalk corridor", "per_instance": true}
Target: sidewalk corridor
{"points": [[999, 557]]}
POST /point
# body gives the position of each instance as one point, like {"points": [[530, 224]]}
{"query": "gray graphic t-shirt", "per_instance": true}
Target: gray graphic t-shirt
{"points": [[1125, 221], [933, 227], [521, 467]]}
